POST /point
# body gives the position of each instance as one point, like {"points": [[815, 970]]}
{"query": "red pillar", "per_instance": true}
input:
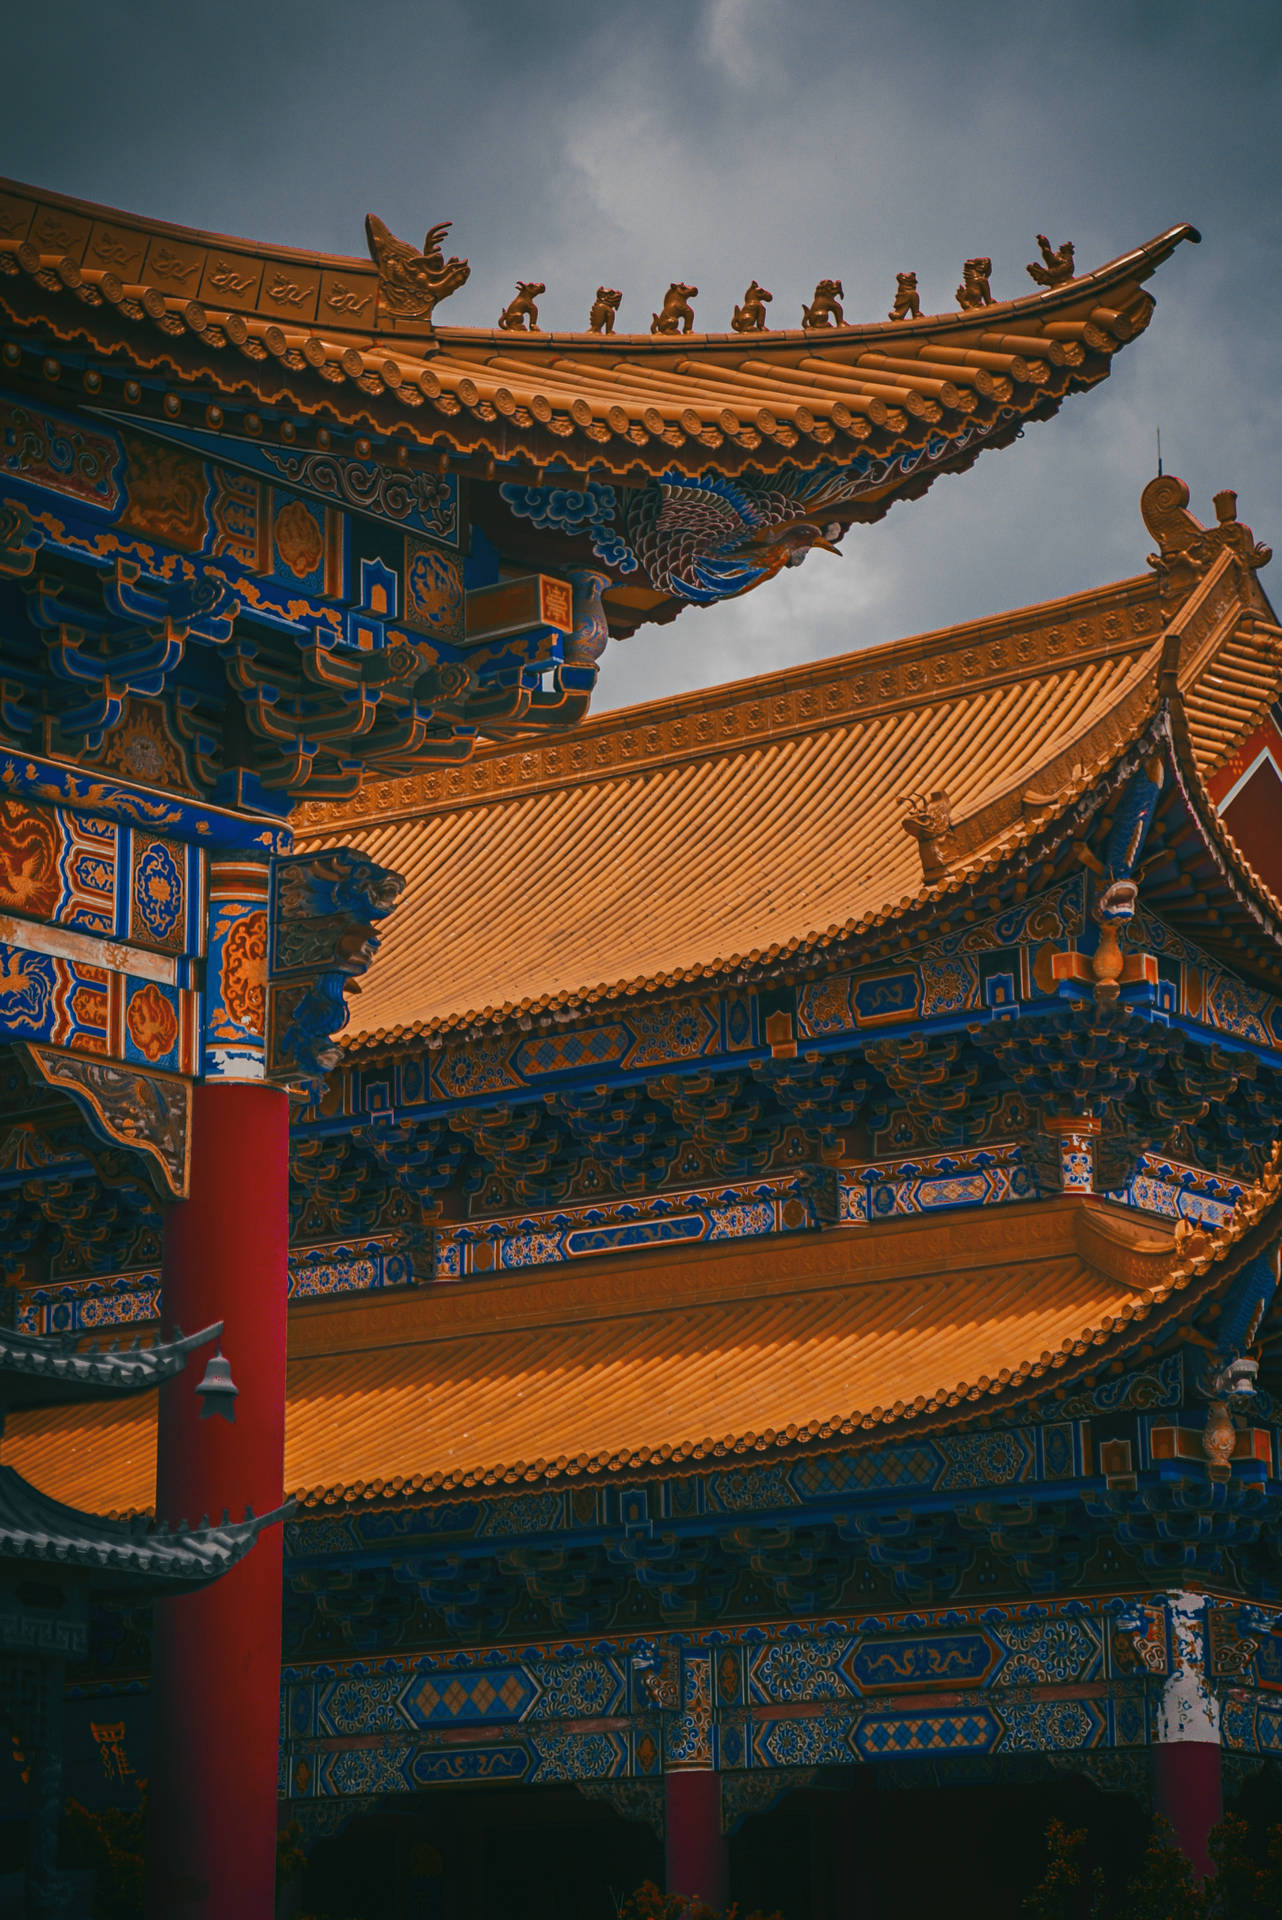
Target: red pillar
{"points": [[1187, 1792], [695, 1855], [216, 1666]]}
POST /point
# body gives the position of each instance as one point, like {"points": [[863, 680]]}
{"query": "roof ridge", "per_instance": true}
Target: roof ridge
{"points": [[502, 770]]}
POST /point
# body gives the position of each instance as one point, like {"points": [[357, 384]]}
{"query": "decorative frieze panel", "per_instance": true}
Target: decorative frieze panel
{"points": [[1011, 1681], [784, 1204], [128, 1299]]}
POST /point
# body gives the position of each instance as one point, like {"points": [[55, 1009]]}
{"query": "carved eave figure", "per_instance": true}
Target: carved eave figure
{"points": [[570, 443]]}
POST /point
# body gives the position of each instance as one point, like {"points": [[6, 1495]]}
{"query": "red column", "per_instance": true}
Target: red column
{"points": [[216, 1666], [1187, 1792], [694, 1846]]}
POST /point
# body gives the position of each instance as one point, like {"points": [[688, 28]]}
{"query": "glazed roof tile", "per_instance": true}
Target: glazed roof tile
{"points": [[293, 320], [506, 1382], [680, 840]]}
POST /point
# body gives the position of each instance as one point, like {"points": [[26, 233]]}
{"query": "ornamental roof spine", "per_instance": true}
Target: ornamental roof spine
{"points": [[689, 464]]}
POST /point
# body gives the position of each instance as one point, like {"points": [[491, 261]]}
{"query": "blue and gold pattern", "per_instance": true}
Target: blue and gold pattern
{"points": [[434, 590], [815, 1696]]}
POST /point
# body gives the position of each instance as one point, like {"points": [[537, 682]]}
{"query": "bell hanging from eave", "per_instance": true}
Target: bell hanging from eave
{"points": [[218, 1391]]}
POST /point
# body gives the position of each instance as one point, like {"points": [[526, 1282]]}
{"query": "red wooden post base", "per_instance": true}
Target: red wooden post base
{"points": [[1187, 1792], [216, 1667], [695, 1854]]}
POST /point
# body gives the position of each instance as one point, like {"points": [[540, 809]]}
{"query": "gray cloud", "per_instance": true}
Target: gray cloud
{"points": [[715, 141]]}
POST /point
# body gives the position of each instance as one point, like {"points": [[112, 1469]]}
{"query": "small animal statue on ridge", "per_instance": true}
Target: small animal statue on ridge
{"points": [[974, 290], [751, 316], [1057, 264], [604, 308], [676, 314], [410, 283], [825, 309], [521, 315], [907, 304]]}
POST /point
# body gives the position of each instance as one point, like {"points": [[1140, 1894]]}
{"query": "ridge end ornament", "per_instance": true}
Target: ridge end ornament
{"points": [[1056, 265], [1185, 547], [521, 315], [604, 310], [929, 819], [750, 317], [975, 291], [907, 299], [825, 308], [676, 315], [410, 283]]}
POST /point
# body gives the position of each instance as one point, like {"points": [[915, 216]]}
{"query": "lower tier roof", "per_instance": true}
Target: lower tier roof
{"points": [[40, 1529], [508, 1381]]}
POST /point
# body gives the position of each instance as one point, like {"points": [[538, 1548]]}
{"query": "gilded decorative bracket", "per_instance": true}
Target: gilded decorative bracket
{"points": [[146, 1112]]}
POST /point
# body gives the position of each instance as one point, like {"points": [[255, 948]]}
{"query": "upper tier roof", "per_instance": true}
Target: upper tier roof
{"points": [[681, 839], [315, 333]]}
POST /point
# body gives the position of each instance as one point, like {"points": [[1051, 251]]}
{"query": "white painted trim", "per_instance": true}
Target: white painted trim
{"points": [[1188, 1711], [64, 943], [1264, 754]]}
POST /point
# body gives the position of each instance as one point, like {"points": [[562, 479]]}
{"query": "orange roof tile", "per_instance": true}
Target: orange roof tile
{"points": [[612, 402], [681, 839], [503, 1382]]}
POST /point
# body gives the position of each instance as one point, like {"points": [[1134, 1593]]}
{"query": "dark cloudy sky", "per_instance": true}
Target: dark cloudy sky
{"points": [[714, 140]]}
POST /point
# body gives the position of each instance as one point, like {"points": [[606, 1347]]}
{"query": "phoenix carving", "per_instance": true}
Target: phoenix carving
{"points": [[410, 284]]}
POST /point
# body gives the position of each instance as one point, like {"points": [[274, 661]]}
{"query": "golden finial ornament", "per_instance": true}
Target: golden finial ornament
{"points": [[410, 284], [907, 303], [676, 314], [604, 309], [1056, 263], [521, 315], [751, 316], [825, 310], [974, 290]]}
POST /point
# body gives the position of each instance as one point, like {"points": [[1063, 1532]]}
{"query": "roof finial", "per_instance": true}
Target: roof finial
{"points": [[1058, 263], [521, 315], [825, 310], [676, 315], [604, 308], [974, 290], [907, 300], [410, 284], [1158, 432], [751, 316]]}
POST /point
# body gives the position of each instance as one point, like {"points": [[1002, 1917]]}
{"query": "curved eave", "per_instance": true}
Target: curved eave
{"points": [[41, 1371], [117, 1553], [626, 405]]}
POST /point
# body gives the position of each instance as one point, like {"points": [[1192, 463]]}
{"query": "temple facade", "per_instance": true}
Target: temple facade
{"points": [[762, 1297]]}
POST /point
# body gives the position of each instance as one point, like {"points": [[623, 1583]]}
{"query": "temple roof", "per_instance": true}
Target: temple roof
{"points": [[51, 1370], [35, 1526], [687, 838], [504, 1382], [498, 1382], [337, 328]]}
